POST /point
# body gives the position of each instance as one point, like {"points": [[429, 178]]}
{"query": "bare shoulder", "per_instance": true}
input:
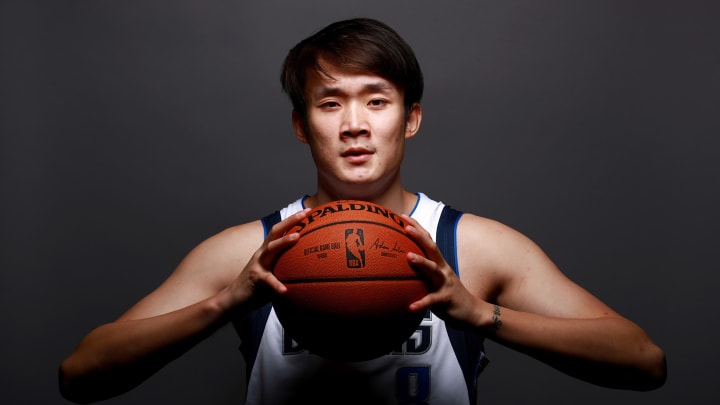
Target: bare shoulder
{"points": [[220, 258], [502, 265], [208, 268], [486, 251], [494, 245]]}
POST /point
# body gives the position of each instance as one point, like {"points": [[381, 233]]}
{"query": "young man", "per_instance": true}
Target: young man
{"points": [[356, 88]]}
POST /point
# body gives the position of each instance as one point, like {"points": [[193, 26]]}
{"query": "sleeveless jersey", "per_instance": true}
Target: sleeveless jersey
{"points": [[436, 365]]}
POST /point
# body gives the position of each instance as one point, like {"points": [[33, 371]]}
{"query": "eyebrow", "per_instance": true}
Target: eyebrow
{"points": [[380, 87]]}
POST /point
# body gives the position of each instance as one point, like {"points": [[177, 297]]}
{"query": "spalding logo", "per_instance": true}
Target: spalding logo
{"points": [[341, 206]]}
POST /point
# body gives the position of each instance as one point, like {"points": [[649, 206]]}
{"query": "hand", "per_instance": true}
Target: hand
{"points": [[448, 298], [256, 283]]}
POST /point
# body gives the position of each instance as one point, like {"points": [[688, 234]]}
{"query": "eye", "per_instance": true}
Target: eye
{"points": [[329, 105], [377, 102]]}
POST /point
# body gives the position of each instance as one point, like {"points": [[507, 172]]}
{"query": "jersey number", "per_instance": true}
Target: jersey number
{"points": [[412, 385]]}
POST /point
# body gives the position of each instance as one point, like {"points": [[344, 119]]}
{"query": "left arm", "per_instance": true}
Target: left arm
{"points": [[513, 294]]}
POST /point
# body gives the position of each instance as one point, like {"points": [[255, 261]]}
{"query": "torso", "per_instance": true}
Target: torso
{"points": [[425, 369]]}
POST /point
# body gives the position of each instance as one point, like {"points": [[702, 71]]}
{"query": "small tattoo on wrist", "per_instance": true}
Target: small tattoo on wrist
{"points": [[497, 322]]}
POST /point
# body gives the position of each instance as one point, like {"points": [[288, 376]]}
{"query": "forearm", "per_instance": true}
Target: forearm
{"points": [[608, 351], [118, 356]]}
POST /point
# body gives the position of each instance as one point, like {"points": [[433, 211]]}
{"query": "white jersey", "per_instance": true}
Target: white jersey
{"points": [[436, 365]]}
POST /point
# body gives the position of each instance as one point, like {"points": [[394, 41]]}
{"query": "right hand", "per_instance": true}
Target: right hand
{"points": [[256, 283]]}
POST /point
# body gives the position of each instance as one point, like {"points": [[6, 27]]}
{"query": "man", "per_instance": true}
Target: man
{"points": [[356, 88]]}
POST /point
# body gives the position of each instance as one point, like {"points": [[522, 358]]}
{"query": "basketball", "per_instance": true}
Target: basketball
{"points": [[349, 283]]}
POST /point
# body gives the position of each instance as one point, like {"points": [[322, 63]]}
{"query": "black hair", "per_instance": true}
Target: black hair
{"points": [[360, 45]]}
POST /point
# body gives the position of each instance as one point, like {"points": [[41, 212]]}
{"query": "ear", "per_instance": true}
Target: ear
{"points": [[414, 118], [299, 126]]}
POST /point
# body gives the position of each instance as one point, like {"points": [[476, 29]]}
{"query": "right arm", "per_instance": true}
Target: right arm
{"points": [[221, 278]]}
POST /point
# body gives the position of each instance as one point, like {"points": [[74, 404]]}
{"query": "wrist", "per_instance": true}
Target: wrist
{"points": [[220, 305], [491, 318], [496, 318]]}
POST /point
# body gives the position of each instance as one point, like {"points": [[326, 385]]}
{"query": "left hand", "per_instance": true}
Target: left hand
{"points": [[448, 298]]}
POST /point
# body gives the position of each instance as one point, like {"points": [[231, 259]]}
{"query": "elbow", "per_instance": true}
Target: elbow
{"points": [[65, 382], [655, 369], [642, 371], [69, 381], [646, 372]]}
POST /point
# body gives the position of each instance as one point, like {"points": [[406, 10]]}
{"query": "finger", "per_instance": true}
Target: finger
{"points": [[273, 249], [427, 268], [423, 238], [282, 227], [279, 239], [275, 284], [412, 222], [424, 303]]}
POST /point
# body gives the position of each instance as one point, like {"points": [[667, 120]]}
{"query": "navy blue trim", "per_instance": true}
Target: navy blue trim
{"points": [[251, 327], [417, 202], [269, 220], [305, 197], [445, 236], [467, 346]]}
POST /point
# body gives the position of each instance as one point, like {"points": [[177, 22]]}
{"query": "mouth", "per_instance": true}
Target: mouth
{"points": [[357, 154]]}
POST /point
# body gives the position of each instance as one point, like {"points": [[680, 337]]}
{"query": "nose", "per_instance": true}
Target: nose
{"points": [[354, 121]]}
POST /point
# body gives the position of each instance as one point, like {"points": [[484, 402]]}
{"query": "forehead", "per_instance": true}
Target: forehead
{"points": [[338, 81]]}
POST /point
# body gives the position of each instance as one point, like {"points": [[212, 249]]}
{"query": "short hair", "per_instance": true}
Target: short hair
{"points": [[360, 45]]}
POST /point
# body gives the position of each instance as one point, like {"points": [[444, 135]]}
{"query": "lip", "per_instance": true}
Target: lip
{"points": [[357, 155]]}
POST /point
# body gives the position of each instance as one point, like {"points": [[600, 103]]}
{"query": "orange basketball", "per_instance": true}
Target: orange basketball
{"points": [[349, 282]]}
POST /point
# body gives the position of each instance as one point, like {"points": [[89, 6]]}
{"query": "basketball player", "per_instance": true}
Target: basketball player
{"points": [[356, 88]]}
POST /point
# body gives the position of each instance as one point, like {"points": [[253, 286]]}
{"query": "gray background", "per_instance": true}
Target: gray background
{"points": [[133, 130]]}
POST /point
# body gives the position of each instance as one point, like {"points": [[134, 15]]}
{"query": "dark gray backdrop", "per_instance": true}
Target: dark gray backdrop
{"points": [[133, 130]]}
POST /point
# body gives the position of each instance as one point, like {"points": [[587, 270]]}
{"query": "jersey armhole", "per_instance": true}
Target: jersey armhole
{"points": [[269, 220], [446, 236], [251, 327], [468, 347]]}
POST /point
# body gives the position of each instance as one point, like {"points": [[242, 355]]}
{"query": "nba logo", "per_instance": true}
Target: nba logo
{"points": [[355, 248]]}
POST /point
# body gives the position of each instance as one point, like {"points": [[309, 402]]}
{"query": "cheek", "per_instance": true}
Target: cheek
{"points": [[321, 150], [322, 123], [393, 131]]}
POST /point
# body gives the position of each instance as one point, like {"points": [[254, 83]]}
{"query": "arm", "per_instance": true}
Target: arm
{"points": [[513, 294], [221, 278]]}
